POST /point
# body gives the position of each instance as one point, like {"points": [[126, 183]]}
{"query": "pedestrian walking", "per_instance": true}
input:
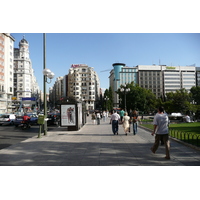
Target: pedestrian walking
{"points": [[104, 116], [98, 116], [115, 122], [134, 120], [94, 118], [125, 121], [121, 113], [161, 130]]}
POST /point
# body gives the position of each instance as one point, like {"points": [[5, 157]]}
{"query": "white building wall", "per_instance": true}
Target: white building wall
{"points": [[25, 83], [178, 77], [7, 73]]}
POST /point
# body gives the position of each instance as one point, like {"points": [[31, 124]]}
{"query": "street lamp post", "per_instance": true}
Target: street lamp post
{"points": [[47, 74], [125, 90], [106, 98]]}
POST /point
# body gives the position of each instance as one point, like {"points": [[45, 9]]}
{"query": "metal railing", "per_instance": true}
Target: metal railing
{"points": [[190, 138]]}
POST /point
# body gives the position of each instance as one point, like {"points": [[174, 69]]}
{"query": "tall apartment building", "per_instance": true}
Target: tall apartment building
{"points": [[84, 85], [58, 90], [160, 79], [25, 83], [6, 72]]}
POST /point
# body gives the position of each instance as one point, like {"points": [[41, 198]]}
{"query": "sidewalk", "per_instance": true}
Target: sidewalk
{"points": [[95, 145]]}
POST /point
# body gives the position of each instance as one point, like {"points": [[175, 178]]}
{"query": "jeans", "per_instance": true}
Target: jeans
{"points": [[115, 126], [134, 128]]}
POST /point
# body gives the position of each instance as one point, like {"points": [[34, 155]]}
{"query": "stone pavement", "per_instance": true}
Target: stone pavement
{"points": [[95, 145]]}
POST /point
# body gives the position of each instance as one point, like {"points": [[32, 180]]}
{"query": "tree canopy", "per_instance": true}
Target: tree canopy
{"points": [[137, 98], [195, 94]]}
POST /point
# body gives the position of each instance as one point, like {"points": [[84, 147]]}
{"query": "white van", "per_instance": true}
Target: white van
{"points": [[7, 119]]}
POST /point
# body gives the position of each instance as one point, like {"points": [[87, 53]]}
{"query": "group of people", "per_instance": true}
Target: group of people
{"points": [[96, 116], [125, 120], [160, 122]]}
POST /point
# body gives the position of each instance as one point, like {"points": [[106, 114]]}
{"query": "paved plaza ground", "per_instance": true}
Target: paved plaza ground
{"points": [[95, 145]]}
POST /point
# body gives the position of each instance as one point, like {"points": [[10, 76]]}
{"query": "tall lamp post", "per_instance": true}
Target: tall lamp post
{"points": [[125, 90], [106, 99], [47, 74]]}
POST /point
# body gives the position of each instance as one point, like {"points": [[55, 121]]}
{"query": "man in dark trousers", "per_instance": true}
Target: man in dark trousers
{"points": [[161, 130], [115, 120]]}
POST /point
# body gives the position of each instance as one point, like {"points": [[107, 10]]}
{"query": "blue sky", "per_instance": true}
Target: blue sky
{"points": [[101, 50]]}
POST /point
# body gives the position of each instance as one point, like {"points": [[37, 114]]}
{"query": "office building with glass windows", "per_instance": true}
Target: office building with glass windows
{"points": [[121, 75], [160, 79]]}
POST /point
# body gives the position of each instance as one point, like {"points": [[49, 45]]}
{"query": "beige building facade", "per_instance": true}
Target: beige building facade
{"points": [[84, 85]]}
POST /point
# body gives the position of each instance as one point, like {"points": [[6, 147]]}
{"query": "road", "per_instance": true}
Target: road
{"points": [[10, 135]]}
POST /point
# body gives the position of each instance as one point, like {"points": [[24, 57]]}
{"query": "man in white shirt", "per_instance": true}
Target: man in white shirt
{"points": [[115, 120], [161, 130]]}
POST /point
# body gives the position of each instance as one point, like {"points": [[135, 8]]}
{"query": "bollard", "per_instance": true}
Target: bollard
{"points": [[41, 124], [40, 128]]}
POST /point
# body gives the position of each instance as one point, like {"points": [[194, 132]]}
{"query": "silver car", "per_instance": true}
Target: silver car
{"points": [[7, 119]]}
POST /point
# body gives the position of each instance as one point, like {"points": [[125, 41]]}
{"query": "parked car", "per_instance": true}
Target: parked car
{"points": [[33, 119], [53, 118], [7, 119]]}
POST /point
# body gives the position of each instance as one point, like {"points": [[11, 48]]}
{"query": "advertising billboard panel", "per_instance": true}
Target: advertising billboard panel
{"points": [[68, 115]]}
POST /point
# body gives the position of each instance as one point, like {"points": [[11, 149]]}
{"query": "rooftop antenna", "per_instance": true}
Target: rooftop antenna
{"points": [[159, 61]]}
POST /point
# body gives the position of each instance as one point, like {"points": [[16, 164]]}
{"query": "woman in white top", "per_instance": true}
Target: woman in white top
{"points": [[126, 124]]}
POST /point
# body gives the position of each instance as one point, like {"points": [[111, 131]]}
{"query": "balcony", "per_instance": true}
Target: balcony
{"points": [[2, 91]]}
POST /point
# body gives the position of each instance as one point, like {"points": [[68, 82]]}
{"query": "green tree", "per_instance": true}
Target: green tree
{"points": [[137, 98], [108, 104], [195, 92], [178, 101]]}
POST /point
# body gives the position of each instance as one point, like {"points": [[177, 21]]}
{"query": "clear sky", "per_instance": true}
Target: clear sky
{"points": [[101, 50]]}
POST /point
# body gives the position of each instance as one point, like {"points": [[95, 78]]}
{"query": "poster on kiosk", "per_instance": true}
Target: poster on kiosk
{"points": [[68, 115]]}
